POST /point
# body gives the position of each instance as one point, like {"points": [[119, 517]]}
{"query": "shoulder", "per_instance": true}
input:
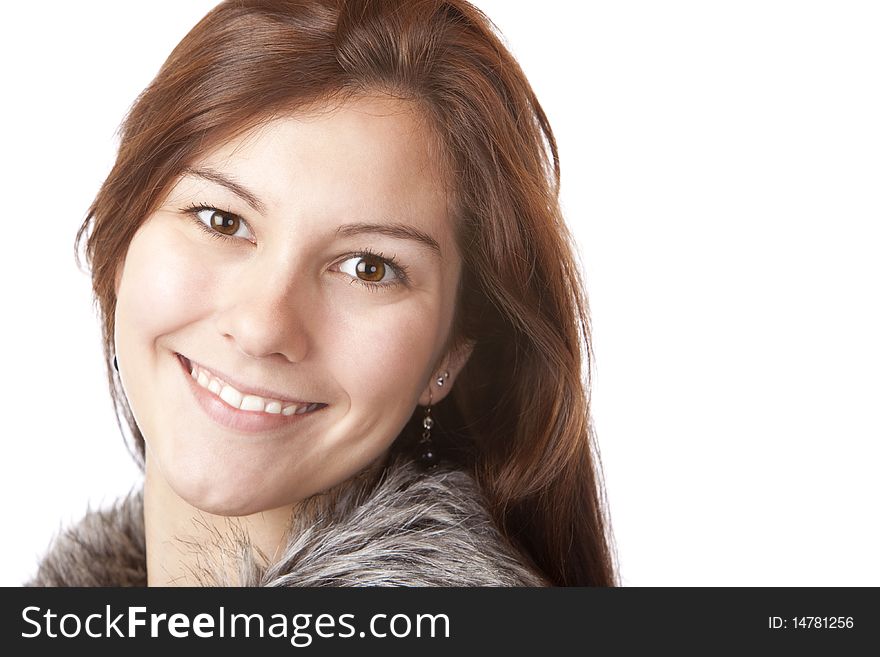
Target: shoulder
{"points": [[412, 528]]}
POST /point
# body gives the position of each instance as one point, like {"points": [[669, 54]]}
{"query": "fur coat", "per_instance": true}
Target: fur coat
{"points": [[397, 527]]}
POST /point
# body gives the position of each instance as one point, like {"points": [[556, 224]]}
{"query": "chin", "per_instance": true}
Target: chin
{"points": [[222, 501], [223, 493], [217, 503]]}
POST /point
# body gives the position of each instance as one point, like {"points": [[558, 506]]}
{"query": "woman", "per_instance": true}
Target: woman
{"points": [[341, 314]]}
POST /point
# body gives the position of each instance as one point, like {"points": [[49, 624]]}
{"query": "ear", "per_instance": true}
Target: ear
{"points": [[453, 362]]}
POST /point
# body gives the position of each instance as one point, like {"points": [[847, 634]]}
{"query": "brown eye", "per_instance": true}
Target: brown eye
{"points": [[370, 268], [224, 223]]}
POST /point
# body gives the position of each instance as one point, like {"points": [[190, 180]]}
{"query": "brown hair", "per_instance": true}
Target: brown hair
{"points": [[519, 415]]}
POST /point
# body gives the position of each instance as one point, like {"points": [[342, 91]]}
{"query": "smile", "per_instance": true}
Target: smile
{"points": [[241, 410], [244, 401]]}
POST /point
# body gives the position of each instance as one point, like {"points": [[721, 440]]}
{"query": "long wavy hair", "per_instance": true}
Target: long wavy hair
{"points": [[519, 416]]}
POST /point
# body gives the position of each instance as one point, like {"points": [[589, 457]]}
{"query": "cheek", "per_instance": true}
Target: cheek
{"points": [[381, 353], [162, 287]]}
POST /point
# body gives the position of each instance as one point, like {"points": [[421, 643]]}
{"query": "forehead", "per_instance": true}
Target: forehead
{"points": [[369, 155]]}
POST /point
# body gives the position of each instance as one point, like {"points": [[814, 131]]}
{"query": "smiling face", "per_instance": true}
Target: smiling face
{"points": [[306, 272]]}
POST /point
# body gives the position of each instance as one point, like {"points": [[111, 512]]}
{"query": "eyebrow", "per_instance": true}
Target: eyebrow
{"points": [[242, 192], [399, 231], [395, 230]]}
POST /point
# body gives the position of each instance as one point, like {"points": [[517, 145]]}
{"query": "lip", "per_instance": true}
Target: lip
{"points": [[227, 417]]}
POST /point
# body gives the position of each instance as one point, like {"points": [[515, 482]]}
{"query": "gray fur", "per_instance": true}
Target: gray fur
{"points": [[400, 528], [106, 548]]}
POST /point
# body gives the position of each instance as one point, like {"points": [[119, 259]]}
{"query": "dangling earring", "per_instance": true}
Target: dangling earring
{"points": [[115, 364], [427, 454]]}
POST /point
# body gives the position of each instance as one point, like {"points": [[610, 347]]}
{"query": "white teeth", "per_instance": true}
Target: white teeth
{"points": [[246, 402], [252, 403], [231, 396]]}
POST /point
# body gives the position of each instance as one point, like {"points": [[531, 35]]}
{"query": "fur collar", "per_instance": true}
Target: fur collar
{"points": [[401, 527]]}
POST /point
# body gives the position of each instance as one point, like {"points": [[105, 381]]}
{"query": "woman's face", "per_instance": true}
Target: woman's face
{"points": [[310, 261]]}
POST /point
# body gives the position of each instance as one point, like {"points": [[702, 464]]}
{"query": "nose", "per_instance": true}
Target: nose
{"points": [[266, 314]]}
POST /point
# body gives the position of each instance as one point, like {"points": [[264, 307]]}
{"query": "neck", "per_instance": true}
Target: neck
{"points": [[188, 547]]}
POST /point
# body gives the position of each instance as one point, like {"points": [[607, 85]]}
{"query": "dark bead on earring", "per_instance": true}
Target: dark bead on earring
{"points": [[115, 364], [428, 458]]}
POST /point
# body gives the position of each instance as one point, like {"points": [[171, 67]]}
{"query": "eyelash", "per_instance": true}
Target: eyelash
{"points": [[399, 269]]}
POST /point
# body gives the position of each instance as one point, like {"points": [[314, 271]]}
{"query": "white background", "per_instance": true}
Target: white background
{"points": [[720, 170]]}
